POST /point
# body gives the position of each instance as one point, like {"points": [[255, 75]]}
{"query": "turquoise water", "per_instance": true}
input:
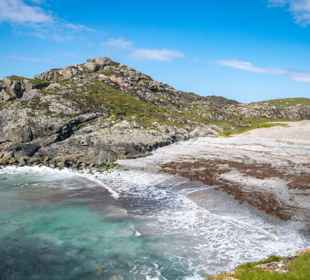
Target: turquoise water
{"points": [[128, 225], [48, 232]]}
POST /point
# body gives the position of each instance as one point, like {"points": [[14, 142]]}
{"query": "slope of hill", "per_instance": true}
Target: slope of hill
{"points": [[91, 114]]}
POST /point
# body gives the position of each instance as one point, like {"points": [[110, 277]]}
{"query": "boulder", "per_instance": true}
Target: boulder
{"points": [[24, 150], [91, 66], [28, 95], [19, 132], [204, 131], [69, 72], [102, 61], [15, 88], [6, 96]]}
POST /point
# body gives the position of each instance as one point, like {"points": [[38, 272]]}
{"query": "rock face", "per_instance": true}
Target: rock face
{"points": [[91, 114]]}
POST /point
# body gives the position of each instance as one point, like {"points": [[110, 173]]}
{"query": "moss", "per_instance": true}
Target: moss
{"points": [[298, 269]]}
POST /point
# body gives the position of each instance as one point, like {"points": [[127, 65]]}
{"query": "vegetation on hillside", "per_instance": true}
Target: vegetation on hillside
{"points": [[298, 268], [286, 102], [230, 129]]}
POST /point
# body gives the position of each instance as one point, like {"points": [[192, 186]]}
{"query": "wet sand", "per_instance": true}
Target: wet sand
{"points": [[267, 168]]}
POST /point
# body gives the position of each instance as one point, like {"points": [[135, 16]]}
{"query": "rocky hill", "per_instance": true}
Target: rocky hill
{"points": [[91, 114]]}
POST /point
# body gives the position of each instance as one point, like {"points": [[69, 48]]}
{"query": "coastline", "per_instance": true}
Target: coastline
{"points": [[179, 152]]}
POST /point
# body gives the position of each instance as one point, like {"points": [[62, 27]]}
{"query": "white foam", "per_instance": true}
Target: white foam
{"points": [[212, 237], [50, 174], [214, 241]]}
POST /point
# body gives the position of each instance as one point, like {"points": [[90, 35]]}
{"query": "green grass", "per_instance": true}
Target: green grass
{"points": [[98, 96], [299, 269], [17, 78], [247, 125], [101, 97], [287, 102], [39, 83]]}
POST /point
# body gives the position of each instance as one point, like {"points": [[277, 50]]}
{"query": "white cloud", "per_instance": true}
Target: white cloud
{"points": [[300, 77], [247, 66], [37, 22], [250, 67], [300, 9], [17, 11], [157, 54], [57, 31], [142, 53], [118, 43], [77, 27]]}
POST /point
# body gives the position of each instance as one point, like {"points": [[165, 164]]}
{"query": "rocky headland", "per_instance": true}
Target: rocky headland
{"points": [[89, 115], [99, 113]]}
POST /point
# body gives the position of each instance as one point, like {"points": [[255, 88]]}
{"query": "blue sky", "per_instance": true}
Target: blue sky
{"points": [[245, 50]]}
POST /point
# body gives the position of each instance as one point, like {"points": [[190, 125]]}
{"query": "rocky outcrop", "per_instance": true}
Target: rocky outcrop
{"points": [[122, 77], [90, 114], [15, 87]]}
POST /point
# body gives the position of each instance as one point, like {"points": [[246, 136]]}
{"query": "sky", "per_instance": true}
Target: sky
{"points": [[244, 50]]}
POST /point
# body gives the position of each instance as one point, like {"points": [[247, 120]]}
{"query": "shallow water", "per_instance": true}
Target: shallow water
{"points": [[63, 225]]}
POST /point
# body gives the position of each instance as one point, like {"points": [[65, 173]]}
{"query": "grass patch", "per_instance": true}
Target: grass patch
{"points": [[287, 102], [101, 97], [17, 78], [107, 167], [40, 84], [96, 96], [298, 269], [247, 125]]}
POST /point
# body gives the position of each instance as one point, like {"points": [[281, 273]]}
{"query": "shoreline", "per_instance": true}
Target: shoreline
{"points": [[182, 152], [196, 189]]}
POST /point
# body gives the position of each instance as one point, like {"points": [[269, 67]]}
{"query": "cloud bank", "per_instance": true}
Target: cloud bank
{"points": [[37, 22], [142, 53], [17, 11], [157, 54], [300, 9], [298, 76]]}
